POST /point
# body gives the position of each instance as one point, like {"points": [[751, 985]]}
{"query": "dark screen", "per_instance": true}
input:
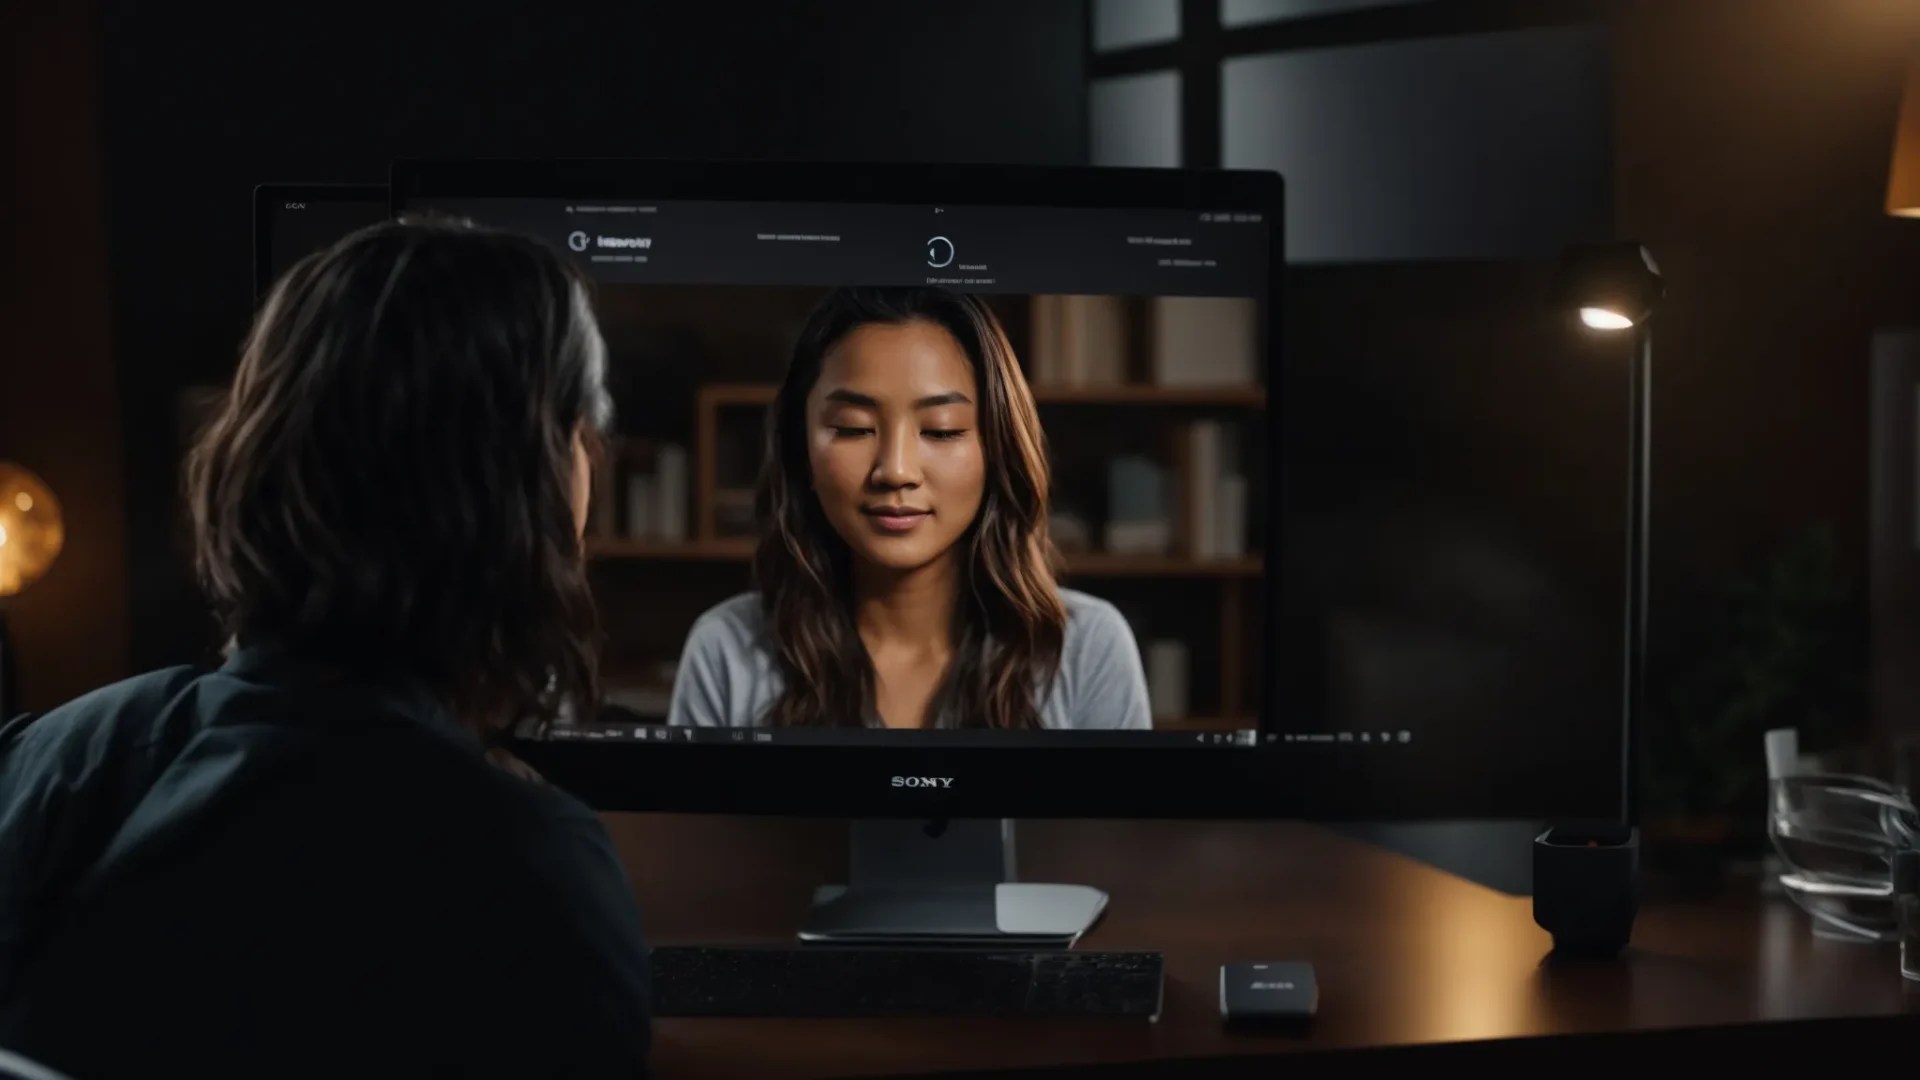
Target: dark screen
{"points": [[294, 223]]}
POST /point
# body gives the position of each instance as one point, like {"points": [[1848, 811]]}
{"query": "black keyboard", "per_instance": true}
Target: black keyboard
{"points": [[851, 982]]}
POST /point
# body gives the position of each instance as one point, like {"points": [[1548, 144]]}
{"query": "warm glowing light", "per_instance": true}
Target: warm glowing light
{"points": [[31, 532], [1903, 181], [1476, 974], [1603, 319]]}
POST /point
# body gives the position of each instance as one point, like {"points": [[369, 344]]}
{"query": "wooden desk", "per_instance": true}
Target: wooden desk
{"points": [[1405, 954]]}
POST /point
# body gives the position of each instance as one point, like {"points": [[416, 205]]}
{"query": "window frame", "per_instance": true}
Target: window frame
{"points": [[1204, 45]]}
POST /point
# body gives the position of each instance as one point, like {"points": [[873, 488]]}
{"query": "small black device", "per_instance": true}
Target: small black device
{"points": [[1586, 887], [1271, 994], [824, 981]]}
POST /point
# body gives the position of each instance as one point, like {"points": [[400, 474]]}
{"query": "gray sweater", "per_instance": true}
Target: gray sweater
{"points": [[730, 674]]}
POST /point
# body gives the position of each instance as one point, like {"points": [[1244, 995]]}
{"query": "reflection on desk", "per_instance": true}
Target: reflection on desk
{"points": [[1406, 954]]}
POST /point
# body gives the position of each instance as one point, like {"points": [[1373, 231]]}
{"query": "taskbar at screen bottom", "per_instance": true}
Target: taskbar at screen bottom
{"points": [[1236, 738]]}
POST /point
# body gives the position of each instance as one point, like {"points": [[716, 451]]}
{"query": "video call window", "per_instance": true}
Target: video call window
{"points": [[1153, 415]]}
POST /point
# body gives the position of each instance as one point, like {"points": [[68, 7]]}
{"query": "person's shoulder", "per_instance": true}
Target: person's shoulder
{"points": [[526, 812], [563, 842], [729, 667], [119, 734], [134, 710], [549, 807], [1101, 684], [733, 626], [1093, 624], [135, 695], [585, 926]]}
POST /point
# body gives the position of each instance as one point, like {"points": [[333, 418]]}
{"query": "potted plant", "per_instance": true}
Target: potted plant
{"points": [[1786, 648]]}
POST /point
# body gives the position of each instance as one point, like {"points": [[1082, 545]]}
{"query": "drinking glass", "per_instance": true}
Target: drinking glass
{"points": [[1837, 836]]}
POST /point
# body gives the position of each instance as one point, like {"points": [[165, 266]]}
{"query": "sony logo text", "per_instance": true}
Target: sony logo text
{"points": [[923, 781]]}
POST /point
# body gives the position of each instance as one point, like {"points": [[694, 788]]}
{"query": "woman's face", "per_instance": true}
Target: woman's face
{"points": [[894, 444]]}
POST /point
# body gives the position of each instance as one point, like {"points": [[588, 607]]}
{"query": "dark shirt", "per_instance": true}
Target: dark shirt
{"points": [[259, 872]]}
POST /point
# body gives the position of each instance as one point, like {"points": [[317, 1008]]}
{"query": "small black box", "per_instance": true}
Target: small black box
{"points": [[1586, 887], [1268, 994]]}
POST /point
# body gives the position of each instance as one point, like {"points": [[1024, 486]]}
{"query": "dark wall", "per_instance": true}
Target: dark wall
{"points": [[59, 405], [197, 113], [1752, 143]]}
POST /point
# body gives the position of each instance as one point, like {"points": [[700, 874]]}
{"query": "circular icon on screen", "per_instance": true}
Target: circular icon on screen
{"points": [[939, 251], [577, 241]]}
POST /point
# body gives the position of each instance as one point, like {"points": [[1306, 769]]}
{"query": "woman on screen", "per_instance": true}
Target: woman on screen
{"points": [[905, 573]]}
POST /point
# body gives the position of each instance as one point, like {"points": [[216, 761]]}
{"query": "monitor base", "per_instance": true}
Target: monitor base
{"points": [[945, 885]]}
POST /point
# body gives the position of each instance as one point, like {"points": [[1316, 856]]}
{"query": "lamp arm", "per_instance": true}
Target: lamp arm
{"points": [[1639, 483]]}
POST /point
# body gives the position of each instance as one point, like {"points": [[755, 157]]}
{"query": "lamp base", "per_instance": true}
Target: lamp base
{"points": [[1586, 887]]}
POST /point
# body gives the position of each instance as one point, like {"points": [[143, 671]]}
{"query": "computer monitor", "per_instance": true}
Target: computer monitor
{"points": [[291, 221], [1142, 310]]}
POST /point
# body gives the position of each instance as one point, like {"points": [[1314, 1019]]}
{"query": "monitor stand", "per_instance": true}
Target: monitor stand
{"points": [[945, 884]]}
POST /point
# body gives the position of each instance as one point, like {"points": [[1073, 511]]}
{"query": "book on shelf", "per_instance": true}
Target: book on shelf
{"points": [[670, 478], [1204, 341], [643, 503], [1078, 341], [1216, 490], [733, 517], [1166, 664], [1137, 523], [656, 502]]}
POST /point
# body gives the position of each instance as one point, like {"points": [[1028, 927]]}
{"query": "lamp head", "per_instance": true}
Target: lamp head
{"points": [[1610, 286], [31, 532]]}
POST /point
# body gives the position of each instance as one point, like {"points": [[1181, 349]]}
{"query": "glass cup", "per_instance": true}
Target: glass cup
{"points": [[1837, 836], [1906, 898]]}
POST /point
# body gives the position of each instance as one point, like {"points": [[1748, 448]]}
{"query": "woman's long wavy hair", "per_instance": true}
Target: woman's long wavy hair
{"points": [[386, 490], [1010, 619]]}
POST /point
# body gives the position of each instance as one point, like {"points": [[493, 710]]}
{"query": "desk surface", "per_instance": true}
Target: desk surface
{"points": [[1405, 954]]}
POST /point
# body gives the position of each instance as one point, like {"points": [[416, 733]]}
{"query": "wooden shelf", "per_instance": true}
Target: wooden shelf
{"points": [[1244, 397], [1102, 565], [615, 547], [604, 547], [737, 393]]}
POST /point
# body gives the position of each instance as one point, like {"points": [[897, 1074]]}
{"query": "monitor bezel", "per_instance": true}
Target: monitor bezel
{"points": [[1326, 783], [267, 196]]}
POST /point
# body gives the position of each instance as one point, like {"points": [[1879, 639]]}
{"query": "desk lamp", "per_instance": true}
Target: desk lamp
{"points": [[1614, 289], [1585, 878], [31, 534]]}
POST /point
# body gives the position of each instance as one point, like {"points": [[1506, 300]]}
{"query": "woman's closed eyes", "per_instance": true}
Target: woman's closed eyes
{"points": [[846, 431]]}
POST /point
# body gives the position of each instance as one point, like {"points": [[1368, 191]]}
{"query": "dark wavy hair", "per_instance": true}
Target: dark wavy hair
{"points": [[1011, 622], [386, 488]]}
